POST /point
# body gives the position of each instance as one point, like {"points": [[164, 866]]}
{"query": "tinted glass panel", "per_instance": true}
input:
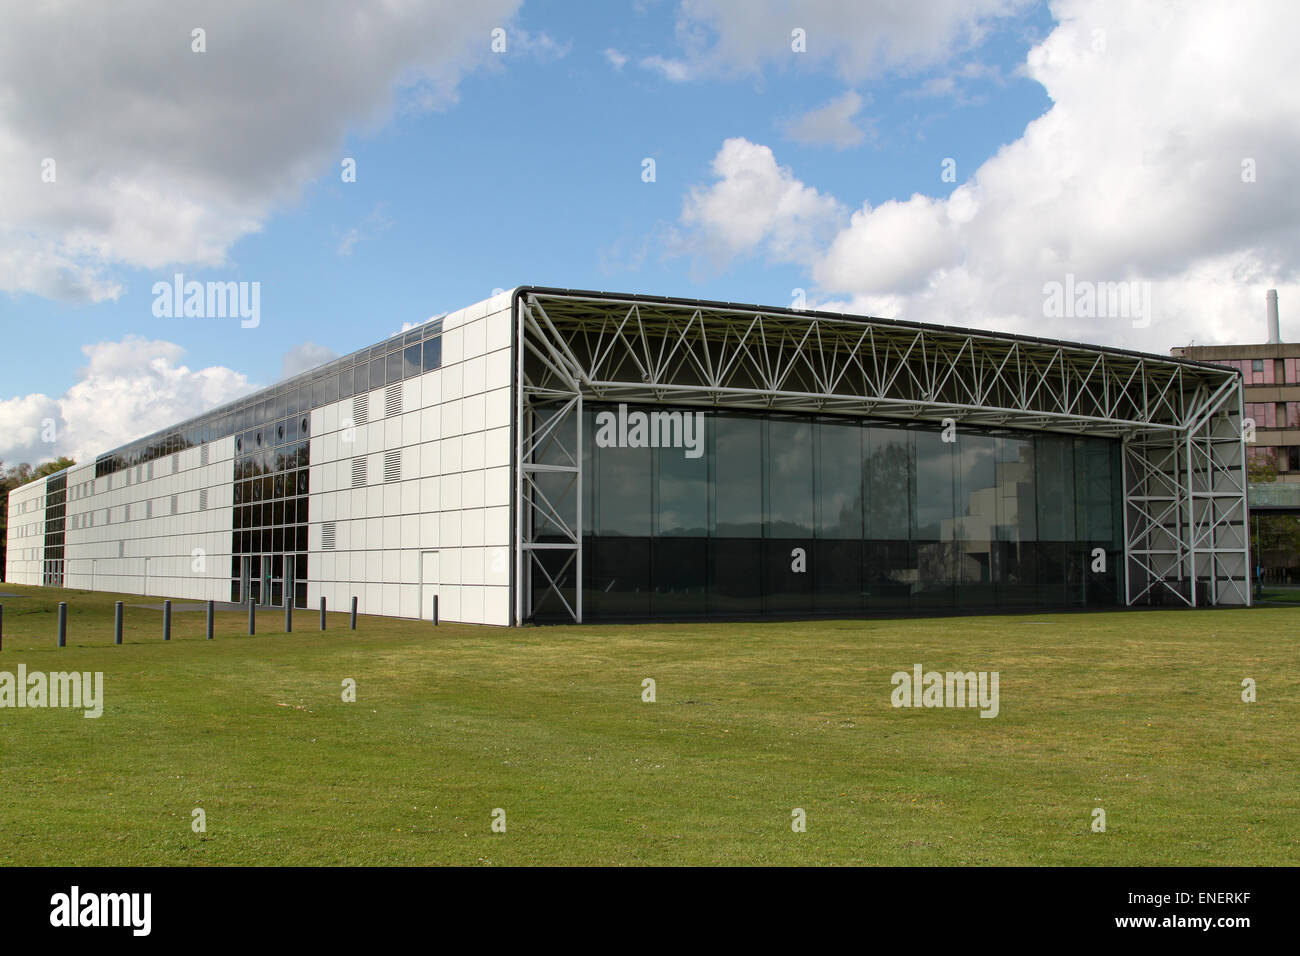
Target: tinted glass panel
{"points": [[888, 479], [432, 354], [789, 479], [839, 480], [682, 499], [738, 468]]}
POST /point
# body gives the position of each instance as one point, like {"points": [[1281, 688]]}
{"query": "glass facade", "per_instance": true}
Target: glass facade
{"points": [[412, 353], [56, 504], [271, 493], [800, 515]]}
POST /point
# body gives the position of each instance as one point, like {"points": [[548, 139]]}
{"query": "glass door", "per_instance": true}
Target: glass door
{"points": [[255, 591], [270, 584]]}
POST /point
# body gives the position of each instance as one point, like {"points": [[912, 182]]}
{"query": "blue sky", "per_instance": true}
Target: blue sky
{"points": [[534, 177], [526, 168]]}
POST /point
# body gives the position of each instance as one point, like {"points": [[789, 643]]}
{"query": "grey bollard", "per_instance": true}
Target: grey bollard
{"points": [[322, 612], [212, 606], [63, 624], [167, 620], [435, 610], [252, 618], [117, 622], [288, 614], [354, 612]]}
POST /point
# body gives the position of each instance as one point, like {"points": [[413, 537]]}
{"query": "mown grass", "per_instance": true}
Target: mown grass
{"points": [[1139, 713]]}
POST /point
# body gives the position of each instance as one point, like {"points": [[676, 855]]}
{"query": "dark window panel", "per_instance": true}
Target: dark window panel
{"points": [[737, 457], [432, 354]]}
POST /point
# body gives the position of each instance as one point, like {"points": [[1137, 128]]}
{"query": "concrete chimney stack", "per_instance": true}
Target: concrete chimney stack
{"points": [[1274, 333]]}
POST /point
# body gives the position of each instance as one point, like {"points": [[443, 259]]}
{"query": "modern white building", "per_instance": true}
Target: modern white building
{"points": [[375, 476], [553, 454]]}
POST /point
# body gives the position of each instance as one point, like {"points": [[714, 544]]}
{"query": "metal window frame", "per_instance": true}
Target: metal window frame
{"points": [[1183, 457]]}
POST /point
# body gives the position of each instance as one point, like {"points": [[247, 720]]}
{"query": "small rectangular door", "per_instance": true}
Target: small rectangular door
{"points": [[267, 594], [428, 583]]}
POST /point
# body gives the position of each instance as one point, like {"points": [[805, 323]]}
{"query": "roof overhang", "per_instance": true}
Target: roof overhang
{"points": [[631, 348]]}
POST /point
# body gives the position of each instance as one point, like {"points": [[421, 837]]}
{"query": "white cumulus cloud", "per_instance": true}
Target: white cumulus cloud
{"points": [[755, 206], [858, 40], [830, 125], [121, 146], [1165, 159], [127, 389]]}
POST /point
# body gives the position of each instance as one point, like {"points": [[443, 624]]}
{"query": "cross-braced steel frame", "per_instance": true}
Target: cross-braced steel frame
{"points": [[1180, 422]]}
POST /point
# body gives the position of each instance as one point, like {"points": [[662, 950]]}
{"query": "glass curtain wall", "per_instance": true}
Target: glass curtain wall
{"points": [[798, 515]]}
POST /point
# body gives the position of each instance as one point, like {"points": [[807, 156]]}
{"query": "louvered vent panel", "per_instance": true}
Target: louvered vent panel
{"points": [[358, 472], [361, 409], [393, 465], [393, 400], [328, 535]]}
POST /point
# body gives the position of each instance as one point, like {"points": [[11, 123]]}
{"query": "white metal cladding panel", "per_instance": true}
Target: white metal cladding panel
{"points": [[452, 496], [25, 547], [452, 493], [185, 554]]}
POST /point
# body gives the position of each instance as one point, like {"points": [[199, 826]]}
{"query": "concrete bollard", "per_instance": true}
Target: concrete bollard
{"points": [[63, 624], [435, 610], [252, 618], [212, 606], [117, 622], [167, 620], [322, 612], [354, 612], [288, 614]]}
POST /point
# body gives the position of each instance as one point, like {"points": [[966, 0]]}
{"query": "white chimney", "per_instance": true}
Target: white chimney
{"points": [[1274, 333]]}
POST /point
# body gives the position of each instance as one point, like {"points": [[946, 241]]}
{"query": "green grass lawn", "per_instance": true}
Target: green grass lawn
{"points": [[1137, 713]]}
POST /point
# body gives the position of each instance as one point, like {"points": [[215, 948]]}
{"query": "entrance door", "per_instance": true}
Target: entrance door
{"points": [[269, 586], [428, 583]]}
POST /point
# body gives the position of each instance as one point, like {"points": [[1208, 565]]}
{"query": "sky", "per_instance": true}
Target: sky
{"points": [[363, 165]]}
